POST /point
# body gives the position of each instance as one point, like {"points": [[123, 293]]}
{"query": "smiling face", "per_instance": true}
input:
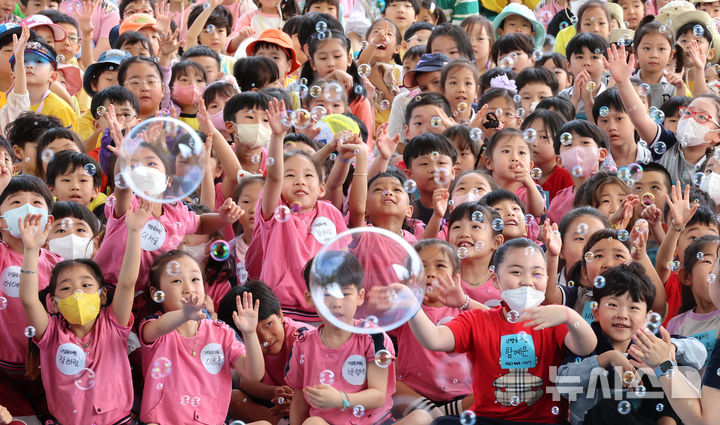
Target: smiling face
{"points": [[436, 263], [188, 281], [386, 197], [619, 317], [573, 240], [514, 225], [476, 237], [301, 182]]}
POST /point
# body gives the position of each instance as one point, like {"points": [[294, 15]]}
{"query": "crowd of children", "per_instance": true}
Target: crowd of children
{"points": [[554, 165]]}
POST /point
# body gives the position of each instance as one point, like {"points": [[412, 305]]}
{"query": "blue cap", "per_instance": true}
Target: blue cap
{"points": [[10, 28], [112, 57], [40, 50], [428, 62]]}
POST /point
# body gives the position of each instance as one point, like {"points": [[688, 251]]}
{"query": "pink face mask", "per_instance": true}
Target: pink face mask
{"points": [[187, 95], [217, 120], [584, 157]]}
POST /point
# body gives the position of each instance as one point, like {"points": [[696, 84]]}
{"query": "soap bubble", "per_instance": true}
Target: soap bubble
{"points": [[384, 104], [593, 305], [641, 225], [476, 134], [566, 138], [658, 116], [591, 86], [282, 213], [434, 155], [90, 169], [647, 199], [327, 377], [644, 89], [236, 422], [623, 235], [160, 368], [573, 20], [359, 411], [333, 91], [100, 110], [158, 296], [220, 250], [700, 256], [514, 400], [315, 91], [47, 156], [255, 159], [462, 107], [555, 410], [604, 111], [467, 418], [398, 274], [698, 30], [477, 216], [435, 122], [628, 377], [410, 186], [210, 28], [697, 178], [302, 119], [85, 379], [710, 279], [462, 253], [520, 112], [517, 98], [318, 112], [30, 332], [443, 176], [659, 407], [536, 173], [287, 118], [172, 268], [624, 407], [321, 26], [577, 171], [3, 303], [513, 316], [364, 70], [636, 171], [383, 358], [506, 63], [599, 282], [162, 160], [529, 135], [589, 257], [582, 228], [498, 224]]}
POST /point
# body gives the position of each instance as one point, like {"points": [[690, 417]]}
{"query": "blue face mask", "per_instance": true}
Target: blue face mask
{"points": [[11, 218]]}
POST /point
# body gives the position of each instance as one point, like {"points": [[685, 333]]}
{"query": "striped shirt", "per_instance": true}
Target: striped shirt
{"points": [[457, 10]]}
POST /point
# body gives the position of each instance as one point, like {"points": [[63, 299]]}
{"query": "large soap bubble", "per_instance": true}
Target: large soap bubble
{"points": [[162, 160], [389, 270]]}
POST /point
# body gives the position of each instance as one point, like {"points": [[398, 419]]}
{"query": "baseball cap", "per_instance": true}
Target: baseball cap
{"points": [[34, 21], [428, 62], [112, 57], [137, 22], [40, 50], [73, 78], [281, 39]]}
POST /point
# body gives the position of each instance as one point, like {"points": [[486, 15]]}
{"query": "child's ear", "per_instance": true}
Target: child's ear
{"points": [[322, 190], [52, 191], [558, 161], [53, 76], [409, 212], [488, 163], [95, 192], [407, 132], [684, 277], [495, 283], [103, 296], [711, 53], [361, 296], [497, 241], [500, 32], [408, 172], [595, 313], [602, 154], [309, 299], [229, 127], [19, 152]]}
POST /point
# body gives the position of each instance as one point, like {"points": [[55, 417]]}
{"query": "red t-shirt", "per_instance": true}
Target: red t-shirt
{"points": [[559, 179], [511, 365], [673, 291]]}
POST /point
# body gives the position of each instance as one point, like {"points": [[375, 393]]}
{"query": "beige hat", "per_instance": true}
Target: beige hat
{"points": [[616, 13], [705, 20], [617, 33], [673, 9]]}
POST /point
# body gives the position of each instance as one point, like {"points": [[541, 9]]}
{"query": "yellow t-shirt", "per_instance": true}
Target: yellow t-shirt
{"points": [[192, 121], [563, 38], [98, 200], [57, 107], [498, 5]]}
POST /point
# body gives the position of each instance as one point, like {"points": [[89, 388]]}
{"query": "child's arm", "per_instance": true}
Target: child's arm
{"points": [[18, 50], [273, 183], [227, 158], [620, 218], [639, 243], [168, 47], [207, 187], [327, 397], [680, 212], [385, 146], [358, 191], [33, 237], [251, 364], [698, 73], [87, 55], [435, 338], [535, 201], [228, 213], [199, 25], [653, 215], [440, 203], [553, 241], [621, 72], [125, 290], [299, 409], [338, 173], [580, 339], [123, 196], [191, 310]]}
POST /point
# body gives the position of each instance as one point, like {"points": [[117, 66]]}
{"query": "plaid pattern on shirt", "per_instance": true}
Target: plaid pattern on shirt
{"points": [[519, 383]]}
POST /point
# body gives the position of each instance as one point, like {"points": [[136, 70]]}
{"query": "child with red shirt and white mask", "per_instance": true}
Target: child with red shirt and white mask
{"points": [[270, 398], [520, 325], [82, 350], [325, 391], [199, 351]]}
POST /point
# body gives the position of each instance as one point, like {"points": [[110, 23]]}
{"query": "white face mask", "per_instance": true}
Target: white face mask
{"points": [[523, 297], [692, 132], [196, 251], [252, 135], [72, 247], [710, 184], [472, 196], [11, 218], [148, 180]]}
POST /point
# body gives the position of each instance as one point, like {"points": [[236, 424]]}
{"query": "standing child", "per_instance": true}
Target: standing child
{"points": [[210, 27], [269, 14], [486, 335], [247, 195], [585, 52], [482, 37], [402, 13], [187, 82], [459, 81], [515, 223], [87, 342], [75, 232], [144, 78], [74, 176]]}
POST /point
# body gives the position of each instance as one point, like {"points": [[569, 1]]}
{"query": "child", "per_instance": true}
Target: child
{"points": [[178, 289], [513, 51], [387, 205], [269, 14], [436, 382], [534, 85], [654, 49], [712, 8], [24, 134], [585, 53], [575, 228], [40, 70], [451, 41], [74, 176], [705, 38], [507, 157], [146, 24], [431, 14], [521, 275], [44, 27], [270, 398], [515, 223], [498, 109], [402, 13], [276, 45], [430, 161], [22, 195], [467, 148], [671, 110], [135, 43], [144, 78], [327, 402], [581, 146], [621, 309], [518, 18], [558, 64], [293, 183], [422, 113], [633, 13], [187, 83], [410, 60], [697, 129], [560, 105], [246, 196], [482, 37], [415, 35], [545, 125], [54, 141], [592, 16], [459, 81], [208, 58], [652, 188], [606, 192], [73, 233], [127, 111], [211, 26], [95, 337], [247, 123]]}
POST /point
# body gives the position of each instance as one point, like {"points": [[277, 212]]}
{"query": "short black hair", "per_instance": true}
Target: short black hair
{"points": [[301, 138], [68, 161], [414, 52], [610, 99], [589, 192], [133, 37], [63, 209], [255, 72], [245, 100], [511, 42], [122, 71], [116, 95], [629, 278], [27, 183], [505, 133], [456, 33], [60, 18], [220, 17], [47, 138], [217, 89], [563, 106], [495, 93], [583, 128], [460, 135], [575, 213], [690, 28], [414, 3], [183, 68], [492, 73], [690, 257], [29, 126], [517, 243], [292, 25], [277, 93], [415, 27], [467, 209], [310, 20], [446, 249], [336, 266], [552, 121], [200, 50], [427, 143], [537, 75], [498, 195], [269, 303], [672, 106], [423, 99], [593, 42], [656, 167]]}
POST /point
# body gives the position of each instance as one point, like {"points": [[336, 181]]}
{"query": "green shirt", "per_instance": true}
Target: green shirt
{"points": [[457, 10]]}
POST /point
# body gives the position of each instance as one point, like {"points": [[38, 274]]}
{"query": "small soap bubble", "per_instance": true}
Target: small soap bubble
{"points": [[593, 305], [321, 26], [364, 70], [90, 169], [506, 63], [623, 173], [623, 235], [462, 253], [659, 407], [536, 173], [624, 407], [628, 377], [435, 122], [573, 20], [443, 176], [520, 113], [675, 266], [384, 105], [640, 391], [710, 279], [173, 268], [577, 171], [563, 25], [363, 44], [383, 358], [591, 86], [47, 156], [477, 216], [599, 282], [589, 257], [255, 159], [158, 296], [315, 91], [513, 316], [270, 161], [160, 368], [3, 303], [647, 199], [302, 119], [100, 110], [529, 251], [220, 250], [359, 411], [479, 245], [476, 134], [296, 207], [514, 400], [517, 98], [327, 377], [641, 225], [582, 228], [462, 107], [318, 112], [287, 118], [467, 418], [498, 224], [555, 410], [66, 223], [30, 332], [604, 111], [434, 155], [697, 178], [529, 135], [571, 283], [698, 30], [636, 171], [410, 186], [282, 214], [658, 116], [85, 379], [358, 89], [566, 138], [210, 28], [644, 89]]}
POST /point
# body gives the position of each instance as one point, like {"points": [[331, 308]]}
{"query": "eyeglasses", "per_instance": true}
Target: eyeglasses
{"points": [[73, 39], [700, 117], [137, 84], [124, 117]]}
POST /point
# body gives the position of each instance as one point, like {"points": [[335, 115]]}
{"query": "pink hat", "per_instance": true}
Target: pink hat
{"points": [[34, 21], [73, 77]]}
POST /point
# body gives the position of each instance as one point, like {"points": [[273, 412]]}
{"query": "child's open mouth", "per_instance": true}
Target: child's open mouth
{"points": [[620, 326]]}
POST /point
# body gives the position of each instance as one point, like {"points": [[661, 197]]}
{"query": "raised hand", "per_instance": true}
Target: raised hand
{"points": [[163, 17], [192, 307], [246, 316], [31, 230], [84, 16], [136, 219], [169, 43], [449, 290], [275, 111], [545, 316], [678, 203], [230, 211], [620, 68], [696, 55], [386, 146], [552, 238], [440, 201], [650, 349]]}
